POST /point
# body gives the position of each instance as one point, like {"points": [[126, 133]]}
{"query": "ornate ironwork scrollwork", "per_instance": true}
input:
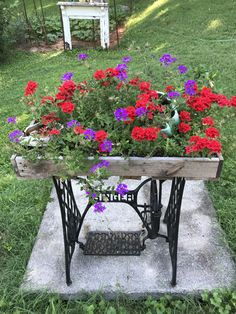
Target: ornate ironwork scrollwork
{"points": [[71, 219], [172, 217], [150, 215]]}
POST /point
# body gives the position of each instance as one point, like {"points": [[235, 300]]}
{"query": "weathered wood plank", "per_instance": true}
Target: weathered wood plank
{"points": [[157, 167]]}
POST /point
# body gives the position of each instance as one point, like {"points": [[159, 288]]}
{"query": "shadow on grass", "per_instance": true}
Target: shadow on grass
{"points": [[162, 21]]}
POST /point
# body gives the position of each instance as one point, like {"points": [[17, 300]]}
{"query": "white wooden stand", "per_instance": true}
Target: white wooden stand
{"points": [[85, 10]]}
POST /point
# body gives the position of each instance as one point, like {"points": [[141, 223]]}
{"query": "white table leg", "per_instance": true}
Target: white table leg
{"points": [[106, 28], [66, 26], [102, 32]]}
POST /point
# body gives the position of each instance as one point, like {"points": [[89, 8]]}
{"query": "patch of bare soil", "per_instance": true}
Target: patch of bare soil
{"points": [[115, 37]]}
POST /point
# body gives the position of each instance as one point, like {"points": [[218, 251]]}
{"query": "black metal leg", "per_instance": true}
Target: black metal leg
{"points": [[172, 219], [155, 208], [71, 218]]}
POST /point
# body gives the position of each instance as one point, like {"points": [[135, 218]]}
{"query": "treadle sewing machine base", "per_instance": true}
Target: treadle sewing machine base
{"points": [[122, 243], [113, 243]]}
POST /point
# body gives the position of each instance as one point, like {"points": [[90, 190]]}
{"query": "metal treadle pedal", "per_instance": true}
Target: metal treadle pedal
{"points": [[113, 243]]}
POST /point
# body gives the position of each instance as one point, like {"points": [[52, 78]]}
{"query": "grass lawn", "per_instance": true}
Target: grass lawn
{"points": [[196, 32]]}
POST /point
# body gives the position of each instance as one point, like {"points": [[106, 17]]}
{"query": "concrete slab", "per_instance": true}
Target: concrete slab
{"points": [[204, 261]]}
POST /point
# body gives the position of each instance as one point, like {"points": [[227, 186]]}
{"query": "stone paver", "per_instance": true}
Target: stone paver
{"points": [[204, 261]]}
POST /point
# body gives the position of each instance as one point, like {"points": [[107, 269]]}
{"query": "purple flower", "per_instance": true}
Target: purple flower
{"points": [[173, 94], [11, 120], [122, 67], [122, 76], [89, 134], [140, 111], [14, 136], [99, 208], [105, 146], [190, 87], [127, 59], [83, 56], [182, 69], [93, 195], [93, 168], [103, 163], [122, 189], [72, 123], [167, 60], [121, 114], [67, 76]]}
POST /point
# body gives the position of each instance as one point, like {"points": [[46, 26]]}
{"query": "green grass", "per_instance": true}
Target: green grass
{"points": [[196, 32]]}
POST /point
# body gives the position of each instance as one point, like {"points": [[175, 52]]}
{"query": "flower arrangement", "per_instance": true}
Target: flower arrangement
{"points": [[112, 114]]}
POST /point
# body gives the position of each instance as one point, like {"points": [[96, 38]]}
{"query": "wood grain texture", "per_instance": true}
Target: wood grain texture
{"points": [[156, 167]]}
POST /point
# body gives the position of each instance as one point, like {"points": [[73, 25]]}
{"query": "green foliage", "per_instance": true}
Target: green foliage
{"points": [[220, 301], [52, 26], [86, 30], [4, 21]]}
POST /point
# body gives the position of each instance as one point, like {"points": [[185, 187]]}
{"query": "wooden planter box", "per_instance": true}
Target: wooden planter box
{"points": [[156, 167]]}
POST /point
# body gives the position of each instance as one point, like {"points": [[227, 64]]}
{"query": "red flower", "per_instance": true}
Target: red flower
{"points": [[152, 94], [223, 101], [200, 144], [169, 88], [111, 72], [144, 96], [31, 88], [134, 82], [131, 112], [145, 86], [194, 139], [233, 101], [54, 132], [207, 92], [47, 99], [141, 103], [199, 103], [151, 106], [184, 127], [150, 134], [68, 86], [78, 130], [138, 133], [67, 107], [99, 75], [66, 90], [212, 132], [150, 115], [160, 108], [49, 118], [208, 121], [101, 135], [188, 149], [214, 146], [120, 85], [185, 116]]}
